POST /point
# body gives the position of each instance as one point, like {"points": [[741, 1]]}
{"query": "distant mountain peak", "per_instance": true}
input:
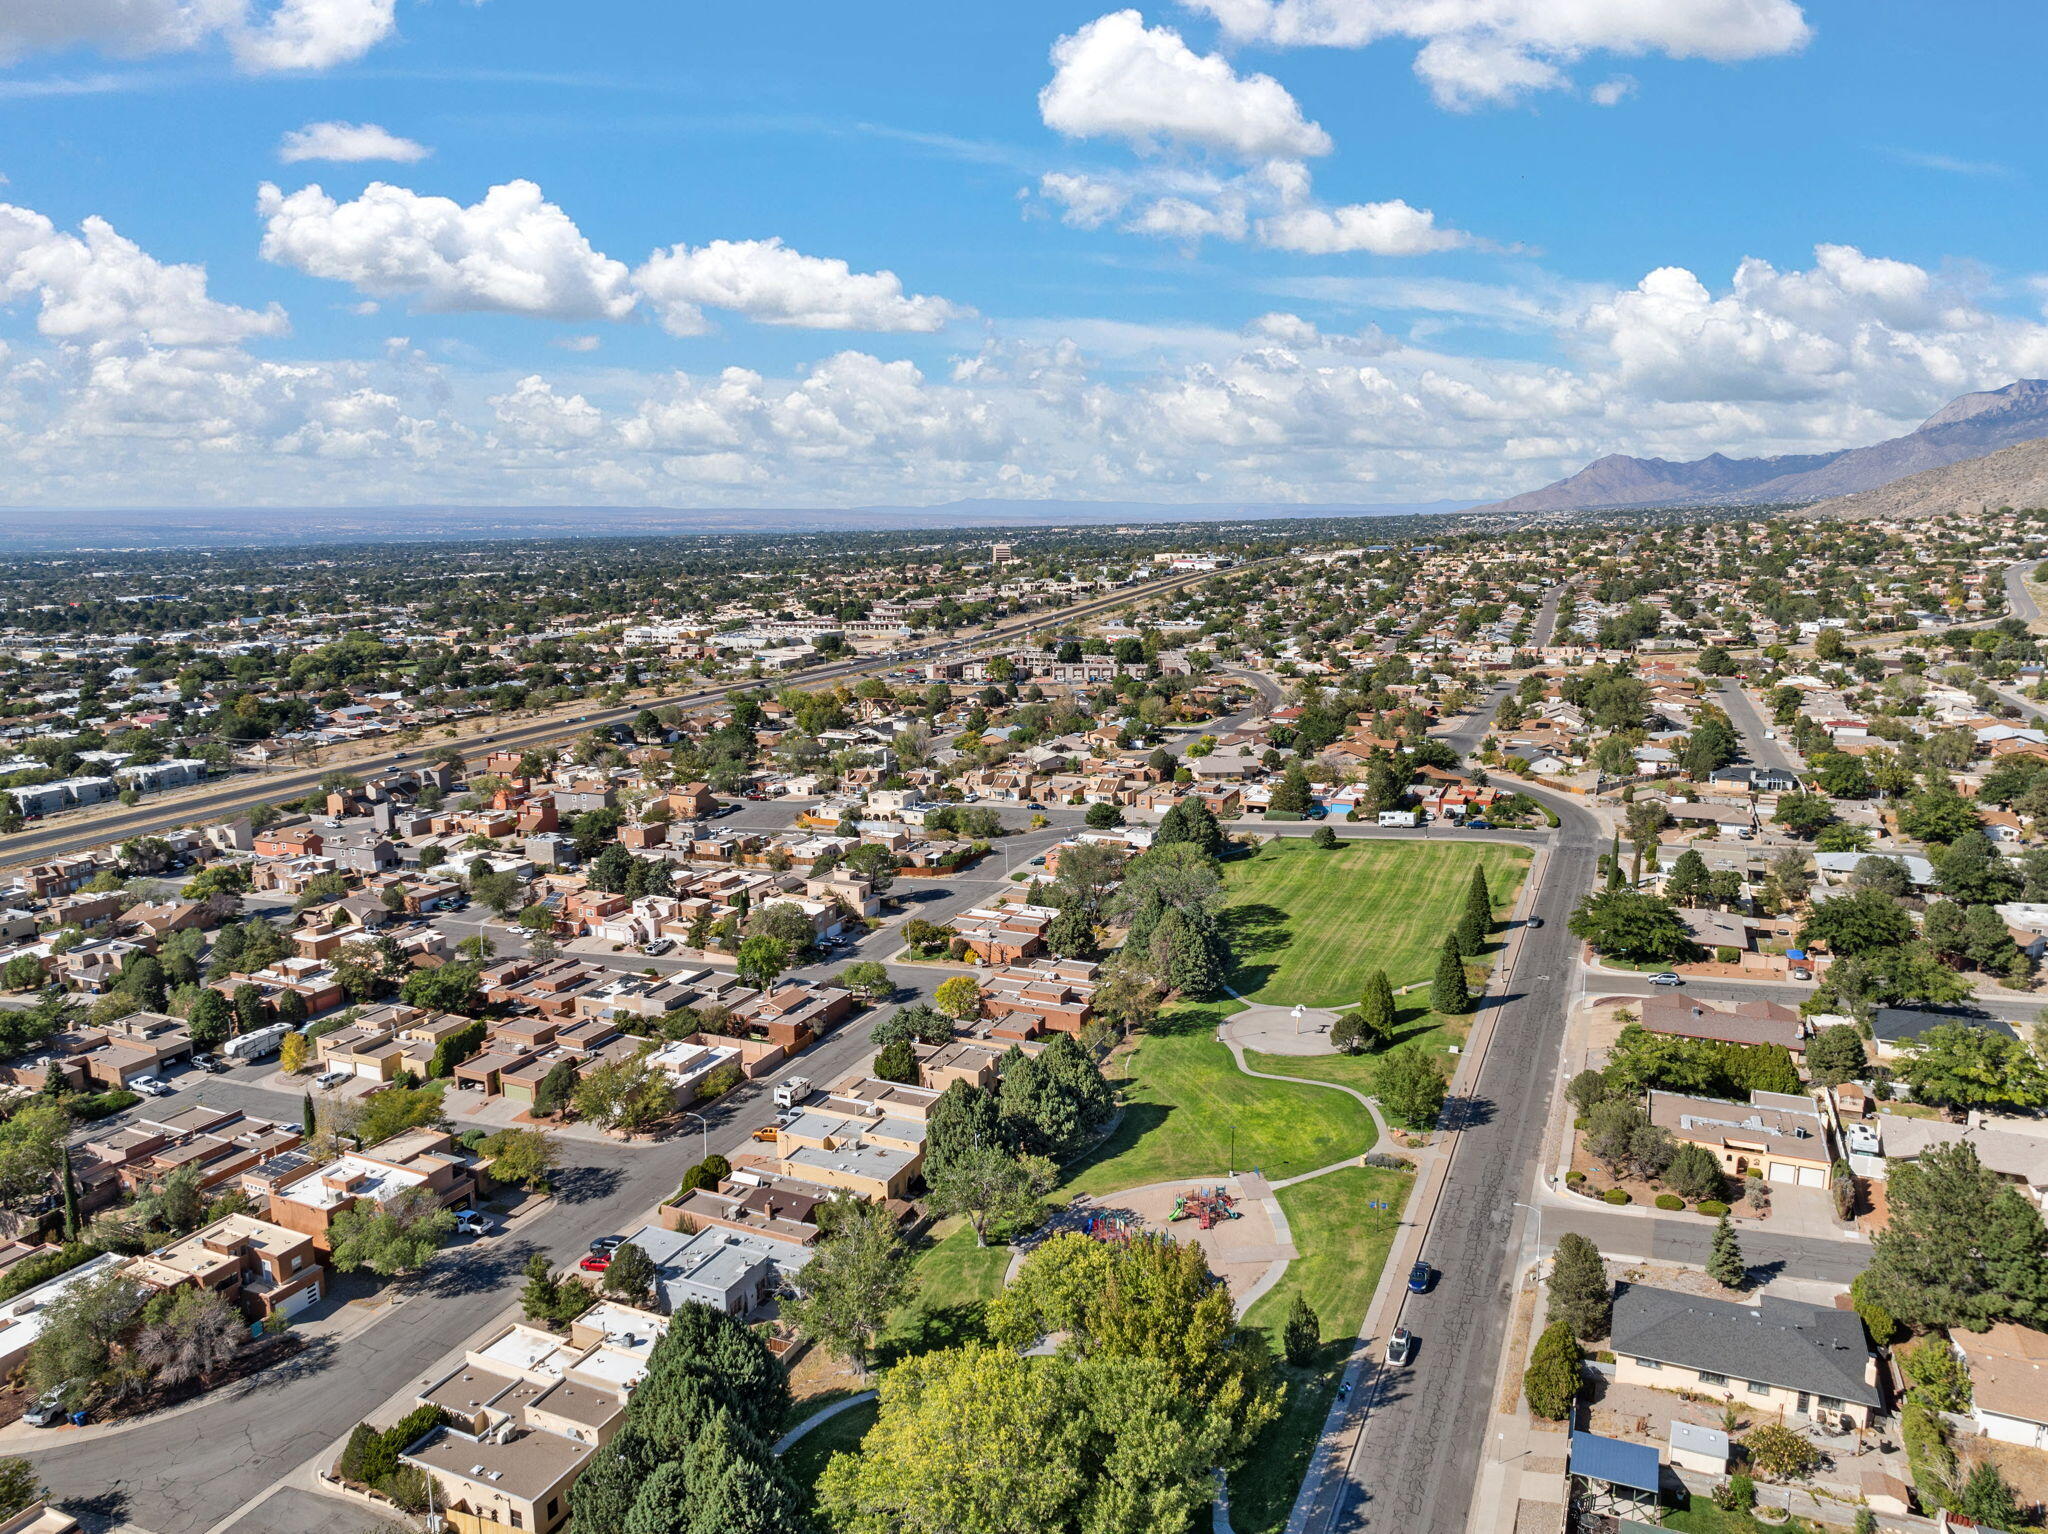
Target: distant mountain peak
{"points": [[2025, 395], [1968, 426]]}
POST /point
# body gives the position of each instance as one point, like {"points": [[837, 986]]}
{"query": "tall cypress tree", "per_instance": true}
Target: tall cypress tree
{"points": [[1476, 924], [1448, 992], [308, 1124], [1376, 1012], [70, 1199]]}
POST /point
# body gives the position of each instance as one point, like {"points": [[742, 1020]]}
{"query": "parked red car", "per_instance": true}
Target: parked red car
{"points": [[596, 1262]]}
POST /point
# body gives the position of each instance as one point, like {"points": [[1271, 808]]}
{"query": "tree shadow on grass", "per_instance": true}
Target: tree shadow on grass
{"points": [[925, 1330], [1254, 927], [1177, 1022], [1139, 1120]]}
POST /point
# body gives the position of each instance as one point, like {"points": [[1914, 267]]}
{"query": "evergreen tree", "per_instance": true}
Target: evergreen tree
{"points": [[1294, 795], [735, 1486], [70, 1198], [662, 1504], [1070, 935], [1377, 1015], [1475, 925], [1724, 1261], [1614, 876], [1963, 1247], [1143, 922], [1556, 1370], [309, 1123], [1447, 992], [1579, 1296], [1986, 1497], [1184, 954], [603, 1496], [965, 1116], [1301, 1339]]}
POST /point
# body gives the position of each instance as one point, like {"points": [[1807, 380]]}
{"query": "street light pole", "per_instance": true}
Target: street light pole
{"points": [[703, 1134]]}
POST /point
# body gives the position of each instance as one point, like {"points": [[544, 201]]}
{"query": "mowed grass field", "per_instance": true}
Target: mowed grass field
{"points": [[1307, 924], [1189, 1112]]}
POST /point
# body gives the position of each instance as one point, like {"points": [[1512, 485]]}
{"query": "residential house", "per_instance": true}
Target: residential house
{"points": [[1783, 1136], [2008, 1367], [1780, 1357], [265, 1269]]}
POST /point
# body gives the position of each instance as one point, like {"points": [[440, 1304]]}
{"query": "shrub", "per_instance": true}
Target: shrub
{"points": [[1575, 1177], [43, 1267], [1780, 1453], [1877, 1320], [1939, 1377], [1737, 1494], [102, 1105], [1727, 956], [1712, 1208], [1551, 1382], [1616, 1195], [1928, 1455], [1670, 1201]]}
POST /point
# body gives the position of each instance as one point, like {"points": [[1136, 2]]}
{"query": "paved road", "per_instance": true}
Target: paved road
{"points": [[2017, 596], [1418, 1458], [1687, 1241], [34, 845], [1751, 726], [2013, 1009]]}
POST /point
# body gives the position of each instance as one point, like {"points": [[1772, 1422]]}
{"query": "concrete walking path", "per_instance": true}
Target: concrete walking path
{"points": [[824, 1414]]}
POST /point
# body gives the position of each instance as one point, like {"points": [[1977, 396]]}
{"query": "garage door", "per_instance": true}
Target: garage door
{"points": [[310, 1295], [1784, 1171], [1812, 1177]]}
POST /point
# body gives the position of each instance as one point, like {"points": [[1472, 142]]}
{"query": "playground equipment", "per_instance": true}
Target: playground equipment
{"points": [[1111, 1225], [1206, 1206]]}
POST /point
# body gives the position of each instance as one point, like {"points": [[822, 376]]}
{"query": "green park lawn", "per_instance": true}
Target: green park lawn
{"points": [[1307, 924], [955, 1279], [808, 1456], [1189, 1112], [1343, 1243]]}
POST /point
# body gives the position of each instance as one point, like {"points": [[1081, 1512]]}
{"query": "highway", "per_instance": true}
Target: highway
{"points": [[77, 834]]}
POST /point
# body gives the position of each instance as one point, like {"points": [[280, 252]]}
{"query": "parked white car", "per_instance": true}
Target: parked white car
{"points": [[472, 1222], [331, 1078]]}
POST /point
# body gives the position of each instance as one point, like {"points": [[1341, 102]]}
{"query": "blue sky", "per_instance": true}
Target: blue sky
{"points": [[1267, 250]]}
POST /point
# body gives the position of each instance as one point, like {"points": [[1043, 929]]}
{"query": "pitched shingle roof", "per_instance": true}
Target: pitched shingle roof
{"points": [[1780, 1342]]}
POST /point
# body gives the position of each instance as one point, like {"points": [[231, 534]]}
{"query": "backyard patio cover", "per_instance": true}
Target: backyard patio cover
{"points": [[1633, 1465]]}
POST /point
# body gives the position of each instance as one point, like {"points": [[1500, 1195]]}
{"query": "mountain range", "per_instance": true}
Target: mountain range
{"points": [[1969, 426]]}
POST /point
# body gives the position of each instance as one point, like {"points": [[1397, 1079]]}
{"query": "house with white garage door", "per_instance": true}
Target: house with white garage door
{"points": [[1781, 1135]]}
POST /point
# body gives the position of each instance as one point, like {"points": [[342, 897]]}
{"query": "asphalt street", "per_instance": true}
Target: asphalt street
{"points": [[1751, 726], [1686, 1241], [1417, 1460]]}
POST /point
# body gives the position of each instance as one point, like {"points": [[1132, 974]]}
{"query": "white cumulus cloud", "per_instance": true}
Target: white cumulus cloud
{"points": [[513, 252], [1377, 228], [768, 282], [101, 288], [1118, 78], [348, 142], [260, 35], [1476, 52]]}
